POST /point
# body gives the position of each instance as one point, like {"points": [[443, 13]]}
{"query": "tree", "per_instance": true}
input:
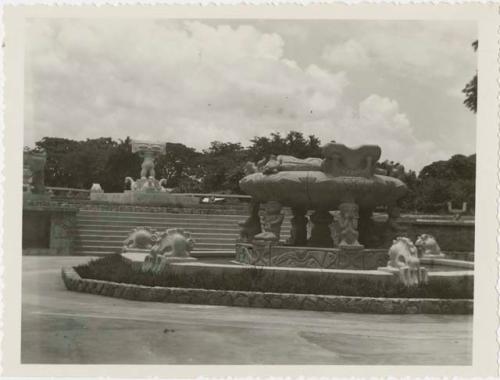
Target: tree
{"points": [[222, 167], [121, 163], [442, 181], [180, 166], [470, 89], [59, 171], [293, 143]]}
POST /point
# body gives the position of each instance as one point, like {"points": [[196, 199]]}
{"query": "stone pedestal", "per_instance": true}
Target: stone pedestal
{"points": [[298, 233], [320, 232]]}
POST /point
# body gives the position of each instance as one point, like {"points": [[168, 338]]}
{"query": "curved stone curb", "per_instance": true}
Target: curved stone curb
{"points": [[347, 304]]}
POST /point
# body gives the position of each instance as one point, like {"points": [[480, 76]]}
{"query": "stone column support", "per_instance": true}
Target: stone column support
{"points": [[251, 226], [366, 228], [298, 233], [320, 233], [349, 215]]}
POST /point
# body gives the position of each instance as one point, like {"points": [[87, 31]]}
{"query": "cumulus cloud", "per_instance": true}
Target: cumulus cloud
{"points": [[348, 54], [195, 82]]}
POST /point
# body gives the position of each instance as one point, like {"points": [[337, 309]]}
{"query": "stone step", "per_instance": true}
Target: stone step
{"points": [[125, 230], [167, 218], [106, 240], [172, 224], [142, 222], [219, 210], [120, 237], [90, 247], [155, 215], [124, 233], [211, 253], [186, 224]]}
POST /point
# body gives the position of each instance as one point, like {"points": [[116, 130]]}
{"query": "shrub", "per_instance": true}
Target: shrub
{"points": [[116, 269]]}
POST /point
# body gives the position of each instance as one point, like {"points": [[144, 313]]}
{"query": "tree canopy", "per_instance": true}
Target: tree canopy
{"points": [[470, 89], [218, 169]]}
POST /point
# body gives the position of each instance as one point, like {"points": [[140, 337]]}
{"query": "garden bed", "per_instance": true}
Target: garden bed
{"points": [[114, 276], [118, 269]]}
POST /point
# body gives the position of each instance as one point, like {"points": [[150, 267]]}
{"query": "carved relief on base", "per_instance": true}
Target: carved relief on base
{"points": [[282, 256], [253, 254]]}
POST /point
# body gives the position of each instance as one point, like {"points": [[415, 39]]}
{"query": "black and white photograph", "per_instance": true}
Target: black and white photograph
{"points": [[249, 191]]}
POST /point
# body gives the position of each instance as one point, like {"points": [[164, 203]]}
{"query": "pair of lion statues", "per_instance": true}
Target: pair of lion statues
{"points": [[174, 242]]}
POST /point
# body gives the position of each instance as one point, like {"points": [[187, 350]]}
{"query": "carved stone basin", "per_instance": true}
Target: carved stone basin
{"points": [[318, 190], [346, 179]]}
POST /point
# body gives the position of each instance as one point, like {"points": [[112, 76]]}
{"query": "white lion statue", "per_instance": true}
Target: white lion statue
{"points": [[403, 260], [174, 242], [427, 245], [141, 238]]}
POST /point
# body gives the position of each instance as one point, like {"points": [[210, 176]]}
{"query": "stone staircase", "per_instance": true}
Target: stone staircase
{"points": [[101, 232]]}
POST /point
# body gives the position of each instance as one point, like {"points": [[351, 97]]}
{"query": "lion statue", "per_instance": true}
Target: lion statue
{"points": [[403, 260], [140, 238], [402, 253], [427, 245], [174, 242]]}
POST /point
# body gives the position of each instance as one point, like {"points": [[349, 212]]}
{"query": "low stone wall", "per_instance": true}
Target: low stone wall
{"points": [[74, 282], [48, 229], [200, 208]]}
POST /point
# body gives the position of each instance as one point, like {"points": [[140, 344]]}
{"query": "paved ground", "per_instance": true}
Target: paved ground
{"points": [[59, 326]]}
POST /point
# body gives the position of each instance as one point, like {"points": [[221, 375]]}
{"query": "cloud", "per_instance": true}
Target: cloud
{"points": [[423, 50], [348, 54], [194, 82]]}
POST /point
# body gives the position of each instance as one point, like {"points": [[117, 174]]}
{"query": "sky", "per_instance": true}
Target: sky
{"points": [[392, 83]]}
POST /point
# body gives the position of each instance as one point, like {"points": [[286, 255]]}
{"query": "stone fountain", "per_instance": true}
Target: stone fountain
{"points": [[145, 190], [147, 182], [345, 180]]}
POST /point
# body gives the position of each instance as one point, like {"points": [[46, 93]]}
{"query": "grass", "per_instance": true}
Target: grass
{"points": [[115, 268]]}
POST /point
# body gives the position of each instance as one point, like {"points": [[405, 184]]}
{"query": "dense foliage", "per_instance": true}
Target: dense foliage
{"points": [[470, 89], [114, 268], [218, 169]]}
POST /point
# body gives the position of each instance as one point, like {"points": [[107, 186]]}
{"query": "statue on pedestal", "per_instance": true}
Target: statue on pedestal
{"points": [[148, 151]]}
